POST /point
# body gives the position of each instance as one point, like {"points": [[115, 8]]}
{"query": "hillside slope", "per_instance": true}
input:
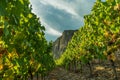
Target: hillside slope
{"points": [[60, 44]]}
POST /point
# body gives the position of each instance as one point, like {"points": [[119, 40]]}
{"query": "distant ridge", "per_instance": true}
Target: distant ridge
{"points": [[60, 44]]}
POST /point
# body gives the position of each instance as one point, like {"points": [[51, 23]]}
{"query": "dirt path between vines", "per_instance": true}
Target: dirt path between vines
{"points": [[100, 72], [62, 74]]}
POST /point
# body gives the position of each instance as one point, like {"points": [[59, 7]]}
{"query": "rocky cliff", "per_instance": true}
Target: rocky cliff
{"points": [[60, 44]]}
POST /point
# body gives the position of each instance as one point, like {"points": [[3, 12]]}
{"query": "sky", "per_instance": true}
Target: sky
{"points": [[60, 15]]}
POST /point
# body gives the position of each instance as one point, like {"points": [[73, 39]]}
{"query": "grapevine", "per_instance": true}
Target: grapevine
{"points": [[98, 38], [26, 51]]}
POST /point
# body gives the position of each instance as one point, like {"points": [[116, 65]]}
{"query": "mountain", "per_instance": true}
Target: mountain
{"points": [[60, 43]]}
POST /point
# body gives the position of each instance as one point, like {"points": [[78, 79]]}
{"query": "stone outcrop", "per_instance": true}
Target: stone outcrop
{"points": [[60, 44]]}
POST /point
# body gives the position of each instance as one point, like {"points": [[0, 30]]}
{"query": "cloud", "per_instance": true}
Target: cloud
{"points": [[53, 31], [60, 20], [50, 30], [60, 15], [62, 5], [72, 7]]}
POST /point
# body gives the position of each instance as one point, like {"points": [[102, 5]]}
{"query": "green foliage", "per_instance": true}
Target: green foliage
{"points": [[99, 37], [27, 49]]}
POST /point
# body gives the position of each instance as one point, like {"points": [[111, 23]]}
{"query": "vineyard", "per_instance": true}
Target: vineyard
{"points": [[98, 40], [25, 53]]}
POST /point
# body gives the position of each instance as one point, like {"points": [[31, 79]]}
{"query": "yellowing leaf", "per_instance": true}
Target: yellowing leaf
{"points": [[105, 53], [26, 20], [1, 66], [30, 15], [9, 55], [117, 7], [21, 1], [112, 57]]}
